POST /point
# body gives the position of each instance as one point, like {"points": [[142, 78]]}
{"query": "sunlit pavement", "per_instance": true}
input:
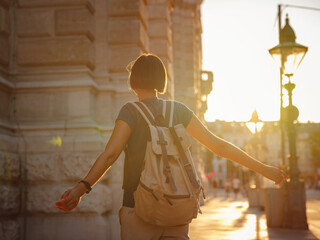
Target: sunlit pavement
{"points": [[224, 218]]}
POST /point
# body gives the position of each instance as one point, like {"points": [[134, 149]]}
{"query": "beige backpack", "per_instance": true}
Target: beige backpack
{"points": [[169, 188]]}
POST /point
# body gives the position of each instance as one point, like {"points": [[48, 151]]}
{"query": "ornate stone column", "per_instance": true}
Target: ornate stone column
{"points": [[55, 93]]}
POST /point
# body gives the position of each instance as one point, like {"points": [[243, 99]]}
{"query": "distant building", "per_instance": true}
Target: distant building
{"points": [[266, 147], [236, 133]]}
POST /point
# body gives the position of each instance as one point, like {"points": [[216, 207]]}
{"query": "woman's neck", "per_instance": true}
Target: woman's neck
{"points": [[144, 94]]}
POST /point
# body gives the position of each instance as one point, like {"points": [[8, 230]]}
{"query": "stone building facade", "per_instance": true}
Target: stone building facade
{"points": [[63, 80], [266, 147]]}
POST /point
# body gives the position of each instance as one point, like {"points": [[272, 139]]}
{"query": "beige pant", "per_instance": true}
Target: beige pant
{"points": [[132, 227]]}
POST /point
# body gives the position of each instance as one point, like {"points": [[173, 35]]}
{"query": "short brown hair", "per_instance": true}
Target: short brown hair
{"points": [[148, 72]]}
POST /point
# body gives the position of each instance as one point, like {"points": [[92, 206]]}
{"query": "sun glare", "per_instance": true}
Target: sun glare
{"points": [[251, 126], [252, 222]]}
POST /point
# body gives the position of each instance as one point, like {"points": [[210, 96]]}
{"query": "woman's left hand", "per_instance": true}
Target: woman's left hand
{"points": [[70, 199]]}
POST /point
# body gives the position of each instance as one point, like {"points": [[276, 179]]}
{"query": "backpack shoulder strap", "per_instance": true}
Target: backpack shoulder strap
{"points": [[184, 159], [164, 108], [147, 111], [169, 113], [144, 112]]}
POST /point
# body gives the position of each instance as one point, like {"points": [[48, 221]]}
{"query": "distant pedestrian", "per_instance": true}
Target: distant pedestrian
{"points": [[214, 184], [227, 187], [236, 186], [244, 190]]}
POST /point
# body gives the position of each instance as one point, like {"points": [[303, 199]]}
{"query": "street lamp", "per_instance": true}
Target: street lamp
{"points": [[255, 125], [289, 54], [255, 196], [256, 121]]}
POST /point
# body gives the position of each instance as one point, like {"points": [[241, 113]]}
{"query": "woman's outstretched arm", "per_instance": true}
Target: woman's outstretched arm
{"points": [[121, 133], [227, 150]]}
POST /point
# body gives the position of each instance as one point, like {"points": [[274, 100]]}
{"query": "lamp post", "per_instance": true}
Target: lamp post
{"points": [[255, 120], [255, 196], [289, 54], [291, 114], [281, 97]]}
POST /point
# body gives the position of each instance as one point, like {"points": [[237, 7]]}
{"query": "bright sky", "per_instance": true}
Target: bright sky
{"points": [[236, 37]]}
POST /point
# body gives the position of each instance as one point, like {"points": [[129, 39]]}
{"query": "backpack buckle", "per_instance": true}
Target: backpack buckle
{"points": [[162, 142]]}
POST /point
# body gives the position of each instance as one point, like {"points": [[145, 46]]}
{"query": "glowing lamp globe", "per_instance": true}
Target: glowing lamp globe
{"points": [[288, 54]]}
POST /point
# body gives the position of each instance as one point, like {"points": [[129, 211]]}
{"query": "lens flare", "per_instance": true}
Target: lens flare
{"points": [[56, 141]]}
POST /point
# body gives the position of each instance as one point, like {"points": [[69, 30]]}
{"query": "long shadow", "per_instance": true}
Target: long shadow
{"points": [[273, 233], [294, 234]]}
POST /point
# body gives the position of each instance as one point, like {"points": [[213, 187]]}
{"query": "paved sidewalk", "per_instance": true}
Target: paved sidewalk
{"points": [[232, 219]]}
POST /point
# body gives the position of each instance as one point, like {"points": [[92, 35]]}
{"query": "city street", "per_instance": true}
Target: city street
{"points": [[224, 218]]}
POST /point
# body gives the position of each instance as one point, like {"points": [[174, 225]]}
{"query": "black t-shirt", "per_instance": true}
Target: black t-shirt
{"points": [[137, 142]]}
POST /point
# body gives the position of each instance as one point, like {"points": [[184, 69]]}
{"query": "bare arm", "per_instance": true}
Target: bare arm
{"points": [[227, 150], [114, 147], [121, 133]]}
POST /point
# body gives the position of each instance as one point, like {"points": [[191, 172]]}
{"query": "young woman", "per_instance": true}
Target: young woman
{"points": [[148, 77]]}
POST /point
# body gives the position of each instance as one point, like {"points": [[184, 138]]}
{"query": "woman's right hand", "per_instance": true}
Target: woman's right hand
{"points": [[274, 174], [70, 198]]}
